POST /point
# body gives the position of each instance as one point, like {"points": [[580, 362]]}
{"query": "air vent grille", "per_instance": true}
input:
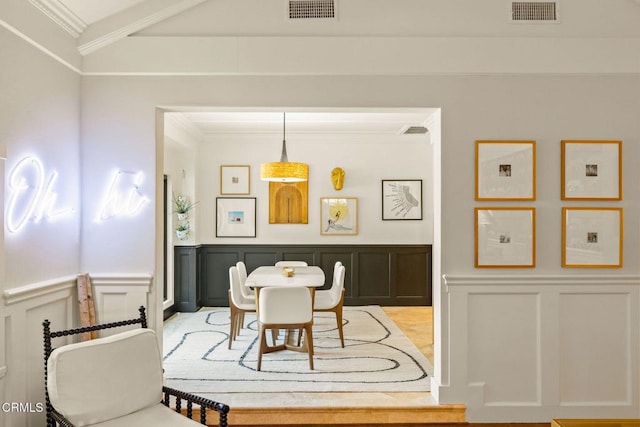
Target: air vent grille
{"points": [[534, 11], [413, 130], [312, 9]]}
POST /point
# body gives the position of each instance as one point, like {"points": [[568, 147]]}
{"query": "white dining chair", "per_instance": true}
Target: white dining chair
{"points": [[247, 292], [287, 308], [332, 299], [291, 264], [238, 305]]}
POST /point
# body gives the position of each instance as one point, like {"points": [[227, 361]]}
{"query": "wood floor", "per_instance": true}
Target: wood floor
{"points": [[417, 325]]}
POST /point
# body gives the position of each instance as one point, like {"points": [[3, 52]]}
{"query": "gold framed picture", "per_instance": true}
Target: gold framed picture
{"points": [[505, 237], [591, 170], [338, 216], [592, 237], [234, 179], [505, 170]]}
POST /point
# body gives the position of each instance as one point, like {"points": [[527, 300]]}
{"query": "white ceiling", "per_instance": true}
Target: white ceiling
{"points": [[310, 122]]}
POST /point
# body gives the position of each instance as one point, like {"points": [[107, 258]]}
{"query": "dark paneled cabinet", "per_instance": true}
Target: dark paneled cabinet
{"points": [[390, 275], [186, 289]]}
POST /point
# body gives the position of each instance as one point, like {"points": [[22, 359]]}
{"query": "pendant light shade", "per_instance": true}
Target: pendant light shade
{"points": [[284, 170]]}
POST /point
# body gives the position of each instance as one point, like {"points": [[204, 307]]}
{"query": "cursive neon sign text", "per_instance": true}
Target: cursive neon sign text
{"points": [[123, 196], [32, 195]]}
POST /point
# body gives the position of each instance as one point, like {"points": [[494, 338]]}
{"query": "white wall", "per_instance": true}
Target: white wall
{"points": [[39, 117], [366, 159], [181, 149]]}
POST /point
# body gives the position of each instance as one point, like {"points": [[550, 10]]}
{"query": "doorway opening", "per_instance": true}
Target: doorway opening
{"points": [[197, 141]]}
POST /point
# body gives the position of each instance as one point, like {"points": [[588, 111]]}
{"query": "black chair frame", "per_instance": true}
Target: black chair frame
{"points": [[54, 417]]}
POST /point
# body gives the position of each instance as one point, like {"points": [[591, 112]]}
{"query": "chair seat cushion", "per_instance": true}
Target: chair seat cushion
{"points": [[98, 380], [323, 301], [247, 306], [156, 416]]}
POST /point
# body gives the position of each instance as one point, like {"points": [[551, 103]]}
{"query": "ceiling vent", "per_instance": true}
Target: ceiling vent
{"points": [[534, 11], [311, 9], [415, 130]]}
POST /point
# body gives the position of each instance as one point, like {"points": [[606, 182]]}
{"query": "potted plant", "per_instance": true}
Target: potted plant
{"points": [[181, 206], [182, 230]]}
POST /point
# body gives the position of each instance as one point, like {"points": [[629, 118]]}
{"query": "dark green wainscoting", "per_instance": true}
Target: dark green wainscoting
{"points": [[389, 275]]}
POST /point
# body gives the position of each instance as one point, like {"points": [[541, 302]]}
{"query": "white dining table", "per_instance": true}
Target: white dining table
{"points": [[268, 275]]}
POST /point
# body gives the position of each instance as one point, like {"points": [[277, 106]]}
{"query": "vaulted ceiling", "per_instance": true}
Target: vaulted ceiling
{"points": [[97, 23]]}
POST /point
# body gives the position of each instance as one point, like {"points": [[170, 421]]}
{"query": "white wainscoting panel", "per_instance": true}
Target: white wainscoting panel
{"points": [[118, 297], [504, 337], [591, 349], [26, 308], [531, 348]]}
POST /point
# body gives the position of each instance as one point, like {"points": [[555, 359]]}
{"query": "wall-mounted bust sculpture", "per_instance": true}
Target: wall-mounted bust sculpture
{"points": [[337, 178]]}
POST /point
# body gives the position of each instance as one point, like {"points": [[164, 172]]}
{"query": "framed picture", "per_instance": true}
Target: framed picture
{"points": [[505, 237], [235, 217], [592, 237], [591, 170], [505, 170], [402, 199], [338, 216], [234, 179], [289, 202]]}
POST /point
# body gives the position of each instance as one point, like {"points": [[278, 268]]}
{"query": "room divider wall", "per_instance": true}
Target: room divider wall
{"points": [[391, 275]]}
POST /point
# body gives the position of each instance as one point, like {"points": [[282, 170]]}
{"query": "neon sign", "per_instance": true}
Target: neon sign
{"points": [[33, 196], [123, 196]]}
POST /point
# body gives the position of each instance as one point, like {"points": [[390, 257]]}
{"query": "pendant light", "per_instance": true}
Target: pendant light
{"points": [[284, 170]]}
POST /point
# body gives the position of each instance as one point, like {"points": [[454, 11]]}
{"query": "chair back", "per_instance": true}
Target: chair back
{"points": [[234, 286], [242, 274], [106, 378], [291, 264], [338, 283], [335, 271], [242, 271], [285, 305]]}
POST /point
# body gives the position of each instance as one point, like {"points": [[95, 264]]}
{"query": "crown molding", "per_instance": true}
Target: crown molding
{"points": [[129, 21], [180, 123], [55, 56], [61, 15]]}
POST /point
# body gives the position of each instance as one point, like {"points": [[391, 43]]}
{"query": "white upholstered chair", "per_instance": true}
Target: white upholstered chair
{"points": [[238, 305], [285, 308], [291, 264], [247, 292], [332, 299], [115, 381]]}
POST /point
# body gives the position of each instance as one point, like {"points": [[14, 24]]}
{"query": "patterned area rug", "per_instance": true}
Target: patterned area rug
{"points": [[377, 356]]}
